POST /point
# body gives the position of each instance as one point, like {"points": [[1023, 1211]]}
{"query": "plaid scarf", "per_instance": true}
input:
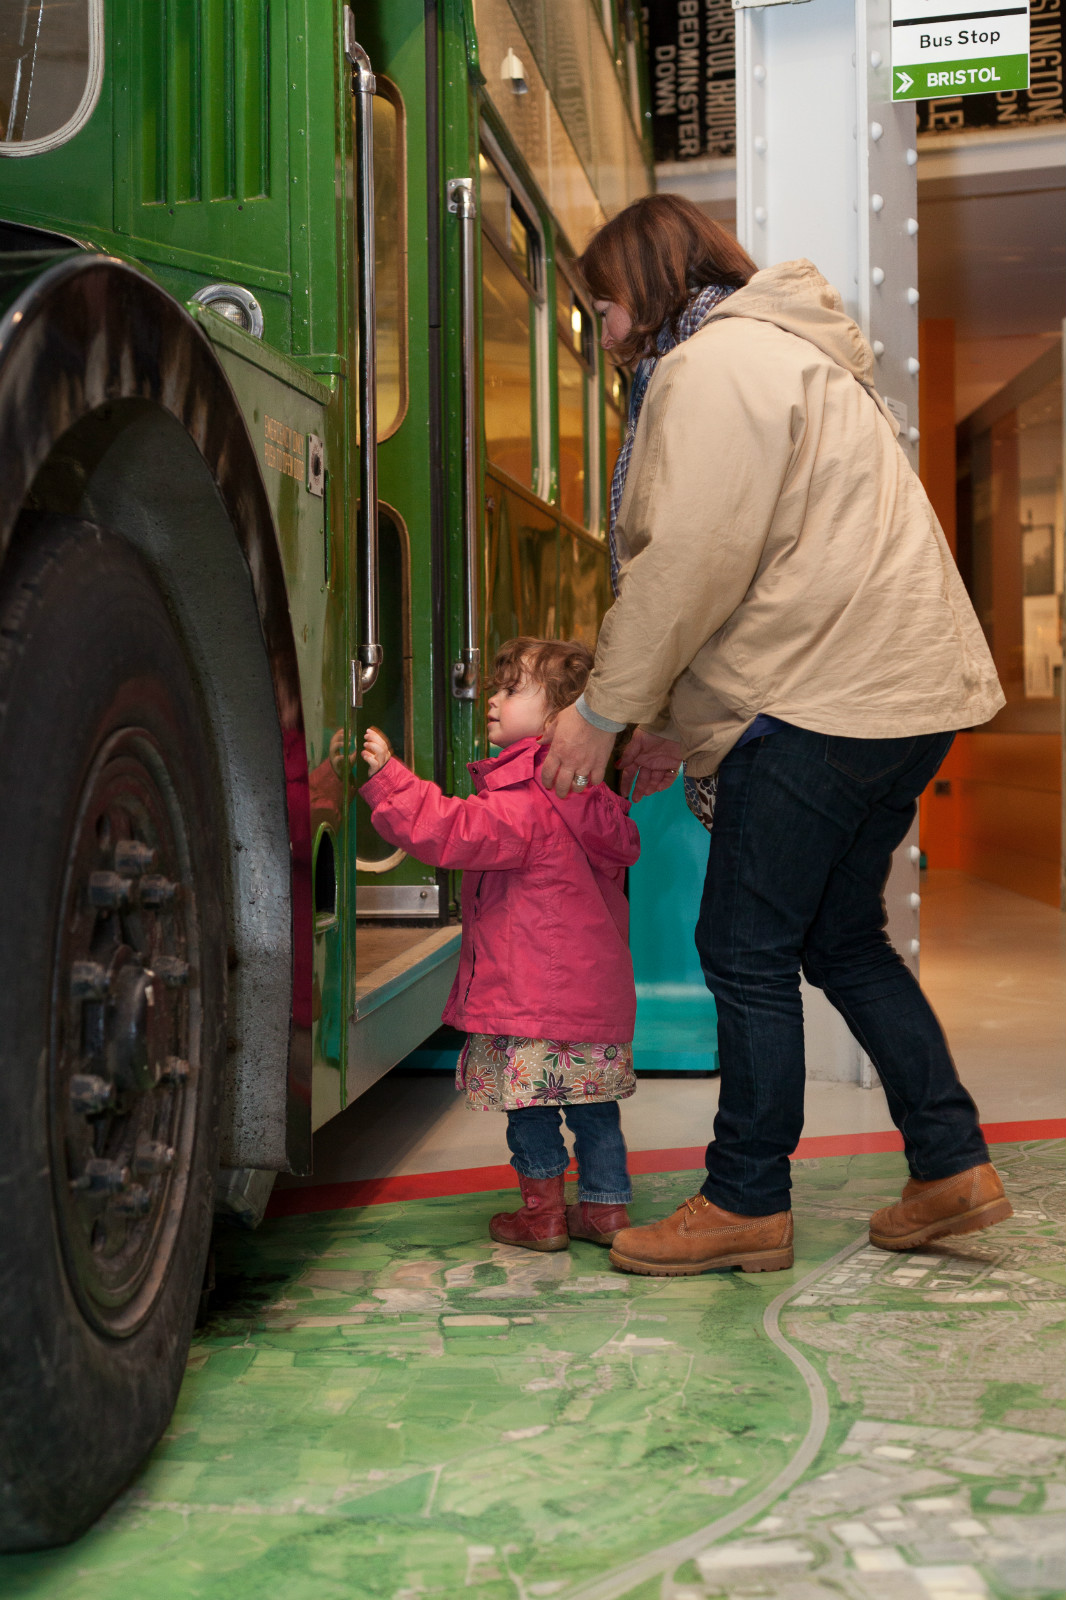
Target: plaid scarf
{"points": [[690, 320]]}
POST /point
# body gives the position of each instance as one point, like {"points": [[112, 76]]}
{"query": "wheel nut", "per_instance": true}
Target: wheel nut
{"points": [[134, 1202], [157, 891], [89, 1094], [175, 1072], [133, 857], [152, 1157], [108, 889], [101, 1176], [88, 980], [173, 971]]}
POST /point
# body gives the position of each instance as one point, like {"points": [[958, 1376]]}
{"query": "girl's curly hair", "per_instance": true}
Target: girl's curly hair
{"points": [[558, 666]]}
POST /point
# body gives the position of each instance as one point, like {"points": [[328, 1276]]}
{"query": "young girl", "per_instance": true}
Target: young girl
{"points": [[545, 983]]}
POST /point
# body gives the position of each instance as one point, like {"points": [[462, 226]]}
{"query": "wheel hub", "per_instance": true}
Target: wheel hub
{"points": [[132, 1007], [126, 1032]]}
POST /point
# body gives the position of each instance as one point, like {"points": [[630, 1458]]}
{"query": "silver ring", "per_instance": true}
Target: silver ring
{"points": [[580, 781]]}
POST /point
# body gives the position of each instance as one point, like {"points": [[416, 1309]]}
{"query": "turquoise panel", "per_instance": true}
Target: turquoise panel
{"points": [[676, 1021]]}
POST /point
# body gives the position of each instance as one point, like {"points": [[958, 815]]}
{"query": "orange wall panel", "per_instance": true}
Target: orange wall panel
{"points": [[1020, 760], [1002, 819], [936, 414], [999, 815], [1022, 874], [1016, 821]]}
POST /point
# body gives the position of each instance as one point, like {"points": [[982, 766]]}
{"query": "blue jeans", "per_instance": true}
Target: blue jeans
{"points": [[804, 830], [535, 1140]]}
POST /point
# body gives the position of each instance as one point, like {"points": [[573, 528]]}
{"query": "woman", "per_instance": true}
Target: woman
{"points": [[789, 617]]}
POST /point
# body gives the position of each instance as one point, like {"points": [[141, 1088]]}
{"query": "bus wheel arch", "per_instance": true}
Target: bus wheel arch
{"points": [[114, 409]]}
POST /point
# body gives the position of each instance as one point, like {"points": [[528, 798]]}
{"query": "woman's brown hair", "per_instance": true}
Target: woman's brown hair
{"points": [[652, 258], [558, 666]]}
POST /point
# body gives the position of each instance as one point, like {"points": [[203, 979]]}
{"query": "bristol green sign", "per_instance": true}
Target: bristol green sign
{"points": [[950, 47]]}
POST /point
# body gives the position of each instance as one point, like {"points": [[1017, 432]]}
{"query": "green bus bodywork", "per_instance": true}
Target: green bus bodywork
{"points": [[215, 952], [221, 150]]}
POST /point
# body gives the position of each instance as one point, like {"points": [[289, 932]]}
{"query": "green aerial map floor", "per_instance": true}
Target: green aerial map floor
{"points": [[387, 1404]]}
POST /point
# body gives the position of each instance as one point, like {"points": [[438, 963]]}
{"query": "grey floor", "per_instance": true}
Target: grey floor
{"points": [[993, 965]]}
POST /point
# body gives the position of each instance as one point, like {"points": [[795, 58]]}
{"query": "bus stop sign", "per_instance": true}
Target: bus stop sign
{"points": [[952, 47]]}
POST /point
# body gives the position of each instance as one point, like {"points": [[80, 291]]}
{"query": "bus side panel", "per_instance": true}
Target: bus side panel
{"points": [[284, 424]]}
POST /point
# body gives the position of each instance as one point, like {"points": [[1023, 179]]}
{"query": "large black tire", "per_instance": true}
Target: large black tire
{"points": [[112, 1022]]}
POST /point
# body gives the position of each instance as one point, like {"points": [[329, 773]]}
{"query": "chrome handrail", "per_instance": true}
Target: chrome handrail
{"points": [[466, 671], [368, 652]]}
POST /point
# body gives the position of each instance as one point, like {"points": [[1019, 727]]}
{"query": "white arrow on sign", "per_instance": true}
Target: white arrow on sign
{"points": [[905, 81]]}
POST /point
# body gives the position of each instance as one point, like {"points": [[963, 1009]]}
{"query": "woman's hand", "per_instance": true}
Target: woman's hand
{"points": [[376, 749], [654, 762], [577, 750]]}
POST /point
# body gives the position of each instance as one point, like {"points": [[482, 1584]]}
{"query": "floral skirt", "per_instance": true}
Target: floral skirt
{"points": [[501, 1072]]}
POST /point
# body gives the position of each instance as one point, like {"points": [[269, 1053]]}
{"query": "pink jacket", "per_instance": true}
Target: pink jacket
{"points": [[545, 947]]}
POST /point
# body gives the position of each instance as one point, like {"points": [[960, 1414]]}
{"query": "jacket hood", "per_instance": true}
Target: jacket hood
{"points": [[599, 821], [794, 296]]}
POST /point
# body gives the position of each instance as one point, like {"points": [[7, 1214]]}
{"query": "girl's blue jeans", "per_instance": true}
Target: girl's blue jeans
{"points": [[535, 1140]]}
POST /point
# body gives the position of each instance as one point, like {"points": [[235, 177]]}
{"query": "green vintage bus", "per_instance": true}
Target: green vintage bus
{"points": [[302, 410]]}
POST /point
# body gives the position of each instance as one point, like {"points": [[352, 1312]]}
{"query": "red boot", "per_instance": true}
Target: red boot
{"points": [[599, 1223], [541, 1224]]}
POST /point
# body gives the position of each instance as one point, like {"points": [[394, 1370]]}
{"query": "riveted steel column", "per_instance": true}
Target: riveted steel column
{"points": [[827, 169]]}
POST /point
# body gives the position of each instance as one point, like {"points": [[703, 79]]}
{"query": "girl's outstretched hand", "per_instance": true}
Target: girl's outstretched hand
{"points": [[376, 749]]}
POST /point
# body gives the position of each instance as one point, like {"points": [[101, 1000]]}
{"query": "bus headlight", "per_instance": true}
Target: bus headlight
{"points": [[237, 305]]}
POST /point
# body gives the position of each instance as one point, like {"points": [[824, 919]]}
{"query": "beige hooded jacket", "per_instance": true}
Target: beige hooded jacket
{"points": [[778, 553]]}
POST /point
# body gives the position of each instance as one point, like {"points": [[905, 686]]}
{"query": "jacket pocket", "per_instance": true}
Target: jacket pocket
{"points": [[866, 760]]}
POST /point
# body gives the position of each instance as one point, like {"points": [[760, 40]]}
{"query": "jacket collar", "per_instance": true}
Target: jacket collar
{"points": [[516, 764]]}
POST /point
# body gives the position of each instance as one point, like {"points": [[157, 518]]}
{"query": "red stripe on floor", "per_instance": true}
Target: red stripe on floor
{"points": [[480, 1180], [381, 1191]]}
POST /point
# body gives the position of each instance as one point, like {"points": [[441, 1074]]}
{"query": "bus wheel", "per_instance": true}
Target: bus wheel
{"points": [[112, 1013]]}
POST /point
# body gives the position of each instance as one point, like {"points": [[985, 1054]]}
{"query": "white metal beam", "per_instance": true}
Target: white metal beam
{"points": [[827, 169]]}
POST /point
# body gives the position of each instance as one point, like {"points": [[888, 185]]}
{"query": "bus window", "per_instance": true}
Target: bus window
{"points": [[510, 266], [388, 705], [521, 241], [495, 198], [576, 354], [51, 64], [584, 589], [523, 569], [390, 258]]}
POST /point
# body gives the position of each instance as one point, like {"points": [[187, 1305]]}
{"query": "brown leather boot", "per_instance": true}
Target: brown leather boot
{"points": [[701, 1236], [964, 1203], [598, 1223], [541, 1223]]}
